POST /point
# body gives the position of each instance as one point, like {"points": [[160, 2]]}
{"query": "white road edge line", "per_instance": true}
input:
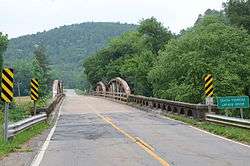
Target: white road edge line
{"points": [[38, 158], [221, 137]]}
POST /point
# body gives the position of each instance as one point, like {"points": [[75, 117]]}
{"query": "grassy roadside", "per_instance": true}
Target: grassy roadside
{"points": [[21, 108], [21, 138], [230, 132]]}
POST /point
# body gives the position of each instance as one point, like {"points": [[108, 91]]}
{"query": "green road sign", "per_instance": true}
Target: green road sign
{"points": [[233, 102]]}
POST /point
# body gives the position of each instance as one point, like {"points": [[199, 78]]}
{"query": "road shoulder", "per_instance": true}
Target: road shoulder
{"points": [[25, 155]]}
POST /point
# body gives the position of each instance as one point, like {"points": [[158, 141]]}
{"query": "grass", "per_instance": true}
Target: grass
{"points": [[230, 132], [21, 108], [22, 100], [16, 143]]}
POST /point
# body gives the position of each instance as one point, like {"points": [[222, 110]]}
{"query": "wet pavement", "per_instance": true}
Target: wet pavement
{"points": [[93, 131]]}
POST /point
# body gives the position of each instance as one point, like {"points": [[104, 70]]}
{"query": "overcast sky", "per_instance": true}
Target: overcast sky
{"points": [[20, 17]]}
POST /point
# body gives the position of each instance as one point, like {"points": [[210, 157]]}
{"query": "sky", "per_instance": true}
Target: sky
{"points": [[21, 17]]}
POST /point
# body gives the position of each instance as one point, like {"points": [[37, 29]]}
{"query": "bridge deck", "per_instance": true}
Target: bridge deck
{"points": [[93, 131]]}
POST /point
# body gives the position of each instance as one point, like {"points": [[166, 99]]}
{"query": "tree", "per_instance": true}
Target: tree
{"points": [[3, 47], [22, 77], [129, 56], [155, 34], [238, 12], [220, 15], [209, 47], [41, 71], [135, 70], [67, 45], [105, 64]]}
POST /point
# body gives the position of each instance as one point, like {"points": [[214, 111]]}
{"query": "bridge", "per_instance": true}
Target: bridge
{"points": [[111, 127]]}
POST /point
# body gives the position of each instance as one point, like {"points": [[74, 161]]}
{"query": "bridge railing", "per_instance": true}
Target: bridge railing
{"points": [[165, 106], [112, 95]]}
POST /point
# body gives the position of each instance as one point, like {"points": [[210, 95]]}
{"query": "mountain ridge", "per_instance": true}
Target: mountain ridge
{"points": [[66, 45]]}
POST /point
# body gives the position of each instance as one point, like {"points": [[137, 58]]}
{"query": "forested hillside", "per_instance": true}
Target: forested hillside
{"points": [[66, 47]]}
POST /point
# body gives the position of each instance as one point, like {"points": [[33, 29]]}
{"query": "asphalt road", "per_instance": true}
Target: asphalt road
{"points": [[98, 132]]}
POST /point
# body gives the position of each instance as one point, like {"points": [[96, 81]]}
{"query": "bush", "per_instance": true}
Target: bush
{"points": [[209, 47]]}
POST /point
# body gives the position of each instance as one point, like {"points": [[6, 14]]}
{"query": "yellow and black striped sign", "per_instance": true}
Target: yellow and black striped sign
{"points": [[209, 87], [7, 85], [34, 89]]}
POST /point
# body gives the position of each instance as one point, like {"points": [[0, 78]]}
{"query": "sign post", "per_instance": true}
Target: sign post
{"points": [[7, 95], [241, 113], [34, 92], [6, 122], [233, 102], [209, 91]]}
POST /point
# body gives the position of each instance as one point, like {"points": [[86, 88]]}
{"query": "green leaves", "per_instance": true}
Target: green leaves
{"points": [[154, 33], [67, 46], [209, 47], [129, 56], [238, 12], [3, 43], [156, 64], [3, 47], [41, 71]]}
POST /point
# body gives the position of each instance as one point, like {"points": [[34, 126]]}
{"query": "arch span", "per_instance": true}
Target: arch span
{"points": [[100, 87], [119, 85]]}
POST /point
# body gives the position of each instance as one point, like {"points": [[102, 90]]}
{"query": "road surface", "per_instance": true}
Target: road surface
{"points": [[97, 132]]}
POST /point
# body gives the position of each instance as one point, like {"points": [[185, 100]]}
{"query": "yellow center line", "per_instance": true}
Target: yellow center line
{"points": [[144, 143], [137, 140]]}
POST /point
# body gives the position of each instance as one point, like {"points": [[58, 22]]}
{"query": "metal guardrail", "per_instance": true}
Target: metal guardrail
{"points": [[243, 123], [17, 127]]}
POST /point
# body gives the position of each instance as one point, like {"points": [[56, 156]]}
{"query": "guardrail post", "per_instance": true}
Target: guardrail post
{"points": [[6, 122]]}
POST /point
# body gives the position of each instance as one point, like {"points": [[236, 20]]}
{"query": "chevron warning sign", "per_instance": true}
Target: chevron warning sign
{"points": [[34, 89], [7, 85], [209, 87]]}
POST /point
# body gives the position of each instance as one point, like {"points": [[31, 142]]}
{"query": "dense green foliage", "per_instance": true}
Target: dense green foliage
{"points": [[129, 56], [3, 47], [154, 34], [66, 47], [156, 63], [209, 47], [220, 15], [41, 71], [238, 12], [23, 75]]}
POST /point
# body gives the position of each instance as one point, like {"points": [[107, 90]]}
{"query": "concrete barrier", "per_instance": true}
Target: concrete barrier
{"points": [[165, 106]]}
